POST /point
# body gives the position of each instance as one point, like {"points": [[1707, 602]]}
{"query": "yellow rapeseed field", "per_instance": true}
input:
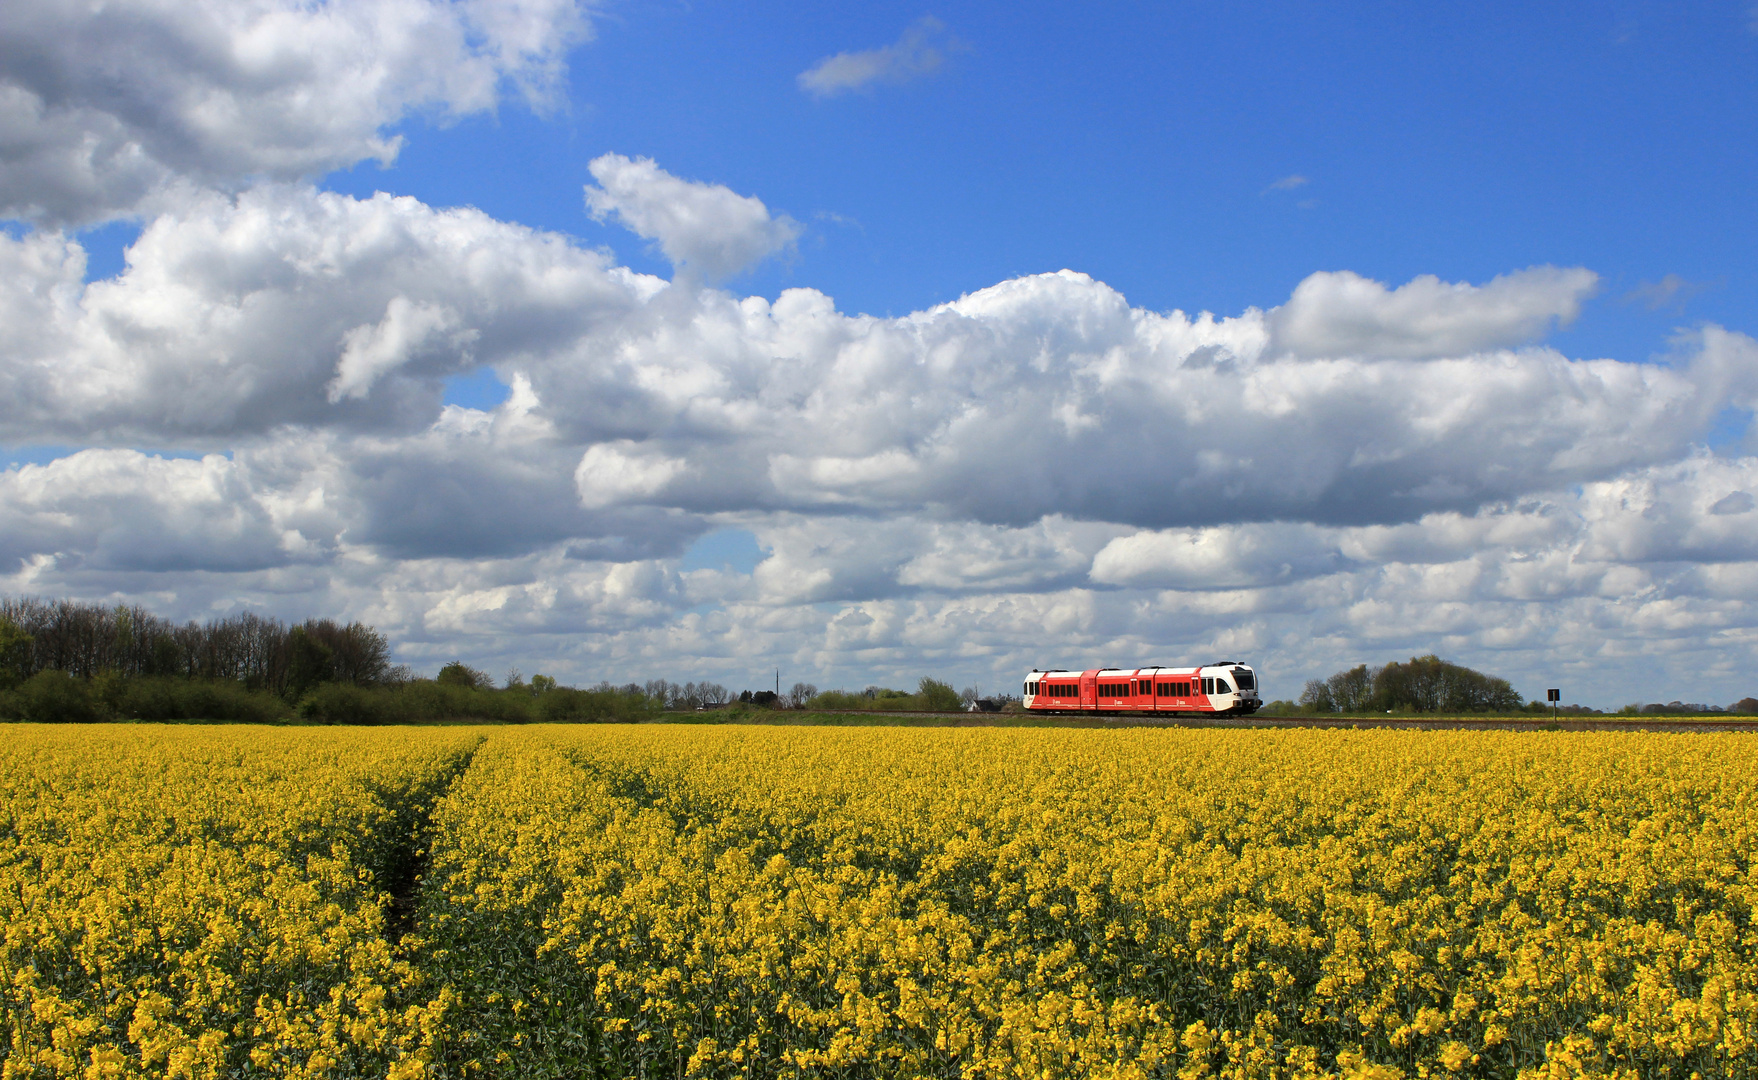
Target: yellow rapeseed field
{"points": [[827, 902], [206, 902]]}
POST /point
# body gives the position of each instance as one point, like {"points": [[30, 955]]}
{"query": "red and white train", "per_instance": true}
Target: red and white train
{"points": [[1227, 688]]}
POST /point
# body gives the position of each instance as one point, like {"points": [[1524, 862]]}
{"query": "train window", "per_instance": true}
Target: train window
{"points": [[1208, 686]]}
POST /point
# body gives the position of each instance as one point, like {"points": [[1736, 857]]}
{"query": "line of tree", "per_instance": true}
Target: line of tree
{"points": [[1746, 706], [88, 640], [63, 660], [931, 695], [1426, 684]]}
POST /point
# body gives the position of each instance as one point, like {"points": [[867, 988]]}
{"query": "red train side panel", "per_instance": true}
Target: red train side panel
{"points": [[1227, 688]]}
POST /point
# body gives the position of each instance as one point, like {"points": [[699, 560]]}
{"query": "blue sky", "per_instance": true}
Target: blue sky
{"points": [[1142, 144], [1287, 167]]}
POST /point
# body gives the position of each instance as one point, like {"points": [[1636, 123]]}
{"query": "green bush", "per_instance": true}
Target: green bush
{"points": [[839, 701], [937, 696], [424, 700], [164, 698], [931, 695], [53, 697], [345, 703], [458, 673], [565, 705]]}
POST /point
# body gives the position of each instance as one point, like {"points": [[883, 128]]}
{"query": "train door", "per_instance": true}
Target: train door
{"points": [[1089, 690], [1201, 688]]}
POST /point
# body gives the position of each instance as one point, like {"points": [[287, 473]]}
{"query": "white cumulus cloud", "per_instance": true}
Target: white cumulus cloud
{"points": [[1344, 314], [706, 228], [284, 305], [103, 106]]}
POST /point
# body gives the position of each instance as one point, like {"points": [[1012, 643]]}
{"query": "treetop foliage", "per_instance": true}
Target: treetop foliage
{"points": [[1425, 684]]}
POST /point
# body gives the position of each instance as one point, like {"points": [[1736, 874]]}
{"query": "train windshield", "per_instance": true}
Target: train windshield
{"points": [[1243, 678]]}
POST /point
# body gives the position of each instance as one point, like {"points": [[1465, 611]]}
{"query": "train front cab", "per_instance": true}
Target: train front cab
{"points": [[1230, 688]]}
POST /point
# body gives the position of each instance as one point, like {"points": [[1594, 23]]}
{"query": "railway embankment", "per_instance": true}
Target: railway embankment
{"points": [[1409, 723]]}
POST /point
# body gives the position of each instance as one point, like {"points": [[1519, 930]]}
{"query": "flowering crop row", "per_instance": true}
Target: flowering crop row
{"points": [[187, 902], [784, 902], [828, 902]]}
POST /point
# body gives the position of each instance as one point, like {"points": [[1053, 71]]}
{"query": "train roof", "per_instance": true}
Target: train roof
{"points": [[1109, 672]]}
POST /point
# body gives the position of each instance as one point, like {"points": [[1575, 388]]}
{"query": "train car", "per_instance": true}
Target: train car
{"points": [[1225, 688]]}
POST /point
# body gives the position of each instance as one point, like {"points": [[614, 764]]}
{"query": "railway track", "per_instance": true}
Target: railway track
{"points": [[1493, 723]]}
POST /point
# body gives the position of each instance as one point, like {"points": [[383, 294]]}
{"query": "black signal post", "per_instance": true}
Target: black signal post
{"points": [[1556, 697]]}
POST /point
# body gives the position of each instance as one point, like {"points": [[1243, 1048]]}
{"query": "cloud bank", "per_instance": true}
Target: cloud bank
{"points": [[1036, 462]]}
